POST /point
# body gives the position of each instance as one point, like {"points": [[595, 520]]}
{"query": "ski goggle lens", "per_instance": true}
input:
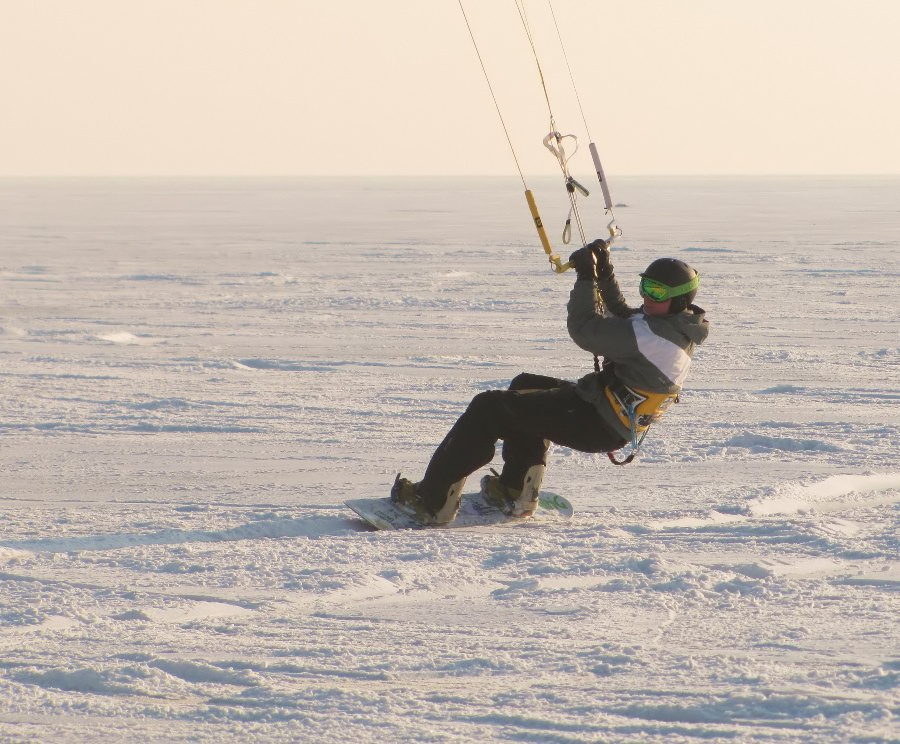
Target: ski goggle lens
{"points": [[656, 291], [659, 292]]}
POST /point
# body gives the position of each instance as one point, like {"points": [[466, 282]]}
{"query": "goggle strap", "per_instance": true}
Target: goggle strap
{"points": [[683, 289]]}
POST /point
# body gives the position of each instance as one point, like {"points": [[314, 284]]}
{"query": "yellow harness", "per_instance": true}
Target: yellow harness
{"points": [[637, 408]]}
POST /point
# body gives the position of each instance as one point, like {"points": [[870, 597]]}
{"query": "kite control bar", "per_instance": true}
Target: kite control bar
{"points": [[553, 142]]}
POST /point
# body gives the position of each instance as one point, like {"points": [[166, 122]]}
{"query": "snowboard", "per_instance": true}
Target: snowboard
{"points": [[474, 511]]}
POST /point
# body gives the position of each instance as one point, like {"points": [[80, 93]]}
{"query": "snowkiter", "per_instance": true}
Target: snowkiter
{"points": [[647, 353]]}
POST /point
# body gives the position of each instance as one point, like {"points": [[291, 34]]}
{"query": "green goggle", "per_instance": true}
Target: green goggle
{"points": [[659, 292]]}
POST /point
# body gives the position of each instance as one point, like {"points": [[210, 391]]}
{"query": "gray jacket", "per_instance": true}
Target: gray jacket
{"points": [[648, 352]]}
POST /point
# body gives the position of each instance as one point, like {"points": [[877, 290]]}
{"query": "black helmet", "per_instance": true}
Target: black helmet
{"points": [[670, 279]]}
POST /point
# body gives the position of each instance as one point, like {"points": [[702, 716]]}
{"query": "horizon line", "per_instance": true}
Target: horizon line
{"points": [[292, 176]]}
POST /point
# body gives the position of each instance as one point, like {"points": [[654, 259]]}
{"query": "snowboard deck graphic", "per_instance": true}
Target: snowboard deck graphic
{"points": [[474, 511]]}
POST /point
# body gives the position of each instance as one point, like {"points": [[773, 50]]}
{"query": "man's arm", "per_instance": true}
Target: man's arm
{"points": [[610, 336]]}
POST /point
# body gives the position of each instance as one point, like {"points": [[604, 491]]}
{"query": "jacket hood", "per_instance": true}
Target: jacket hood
{"points": [[692, 323]]}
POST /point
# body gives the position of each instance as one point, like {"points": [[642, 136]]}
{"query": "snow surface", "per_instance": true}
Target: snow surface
{"points": [[196, 374]]}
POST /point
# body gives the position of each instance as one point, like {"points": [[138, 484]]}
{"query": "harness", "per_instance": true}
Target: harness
{"points": [[636, 409]]}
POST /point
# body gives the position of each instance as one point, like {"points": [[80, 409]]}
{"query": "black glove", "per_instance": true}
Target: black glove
{"points": [[592, 261], [584, 262], [600, 249]]}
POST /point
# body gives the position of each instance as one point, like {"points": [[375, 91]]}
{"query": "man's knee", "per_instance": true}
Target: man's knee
{"points": [[530, 381], [519, 382], [485, 402]]}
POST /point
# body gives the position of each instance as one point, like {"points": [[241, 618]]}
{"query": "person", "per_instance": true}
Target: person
{"points": [[647, 353]]}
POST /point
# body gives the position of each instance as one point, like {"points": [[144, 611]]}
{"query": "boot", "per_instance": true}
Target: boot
{"points": [[405, 493], [514, 502], [447, 513]]}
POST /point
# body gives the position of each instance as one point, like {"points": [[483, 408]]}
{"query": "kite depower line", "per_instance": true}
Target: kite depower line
{"points": [[556, 143]]}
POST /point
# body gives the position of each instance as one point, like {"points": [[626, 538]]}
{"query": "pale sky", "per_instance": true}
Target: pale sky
{"points": [[385, 87]]}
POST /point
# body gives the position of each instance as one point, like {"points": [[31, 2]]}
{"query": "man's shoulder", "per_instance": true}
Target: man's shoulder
{"points": [[690, 324]]}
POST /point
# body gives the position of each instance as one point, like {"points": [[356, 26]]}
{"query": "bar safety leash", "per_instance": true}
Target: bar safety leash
{"points": [[554, 140], [557, 265], [635, 442], [612, 227]]}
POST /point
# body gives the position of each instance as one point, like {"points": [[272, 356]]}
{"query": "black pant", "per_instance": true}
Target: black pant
{"points": [[534, 411]]}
